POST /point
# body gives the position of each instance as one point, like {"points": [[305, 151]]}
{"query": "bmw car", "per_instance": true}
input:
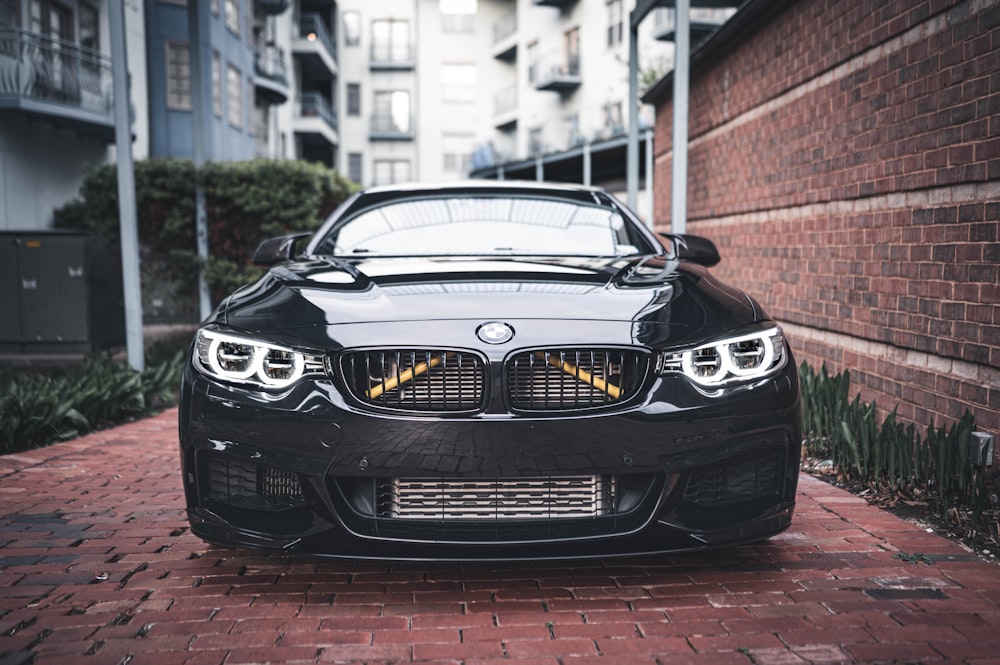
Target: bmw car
{"points": [[488, 370]]}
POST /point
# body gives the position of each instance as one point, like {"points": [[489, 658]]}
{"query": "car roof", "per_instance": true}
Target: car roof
{"points": [[577, 193]]}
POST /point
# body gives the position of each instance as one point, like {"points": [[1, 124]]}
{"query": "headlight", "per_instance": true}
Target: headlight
{"points": [[731, 360], [246, 360]]}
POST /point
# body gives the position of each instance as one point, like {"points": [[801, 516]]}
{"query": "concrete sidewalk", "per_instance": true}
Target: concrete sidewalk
{"points": [[98, 566]]}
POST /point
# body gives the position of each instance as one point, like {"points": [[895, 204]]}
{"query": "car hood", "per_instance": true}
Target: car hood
{"points": [[659, 299]]}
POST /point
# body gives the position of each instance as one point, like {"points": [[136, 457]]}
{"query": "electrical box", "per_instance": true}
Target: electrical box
{"points": [[61, 292]]}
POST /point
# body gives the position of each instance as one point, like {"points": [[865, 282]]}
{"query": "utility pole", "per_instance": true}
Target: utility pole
{"points": [[131, 283], [679, 141], [198, 118]]}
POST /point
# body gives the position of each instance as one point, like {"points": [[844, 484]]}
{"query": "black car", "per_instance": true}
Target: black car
{"points": [[488, 371]]}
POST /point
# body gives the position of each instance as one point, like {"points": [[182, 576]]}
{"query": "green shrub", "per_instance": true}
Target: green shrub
{"points": [[888, 453], [246, 202], [38, 408]]}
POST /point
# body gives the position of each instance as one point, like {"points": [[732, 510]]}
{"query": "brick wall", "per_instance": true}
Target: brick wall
{"points": [[845, 157]]}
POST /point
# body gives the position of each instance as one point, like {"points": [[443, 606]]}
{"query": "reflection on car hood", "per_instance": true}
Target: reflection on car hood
{"points": [[650, 291]]}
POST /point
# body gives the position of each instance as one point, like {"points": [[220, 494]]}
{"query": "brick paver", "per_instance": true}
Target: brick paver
{"points": [[98, 566]]}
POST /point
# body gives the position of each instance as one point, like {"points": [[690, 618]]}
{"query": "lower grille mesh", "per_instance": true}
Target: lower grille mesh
{"points": [[737, 481], [512, 499], [247, 485]]}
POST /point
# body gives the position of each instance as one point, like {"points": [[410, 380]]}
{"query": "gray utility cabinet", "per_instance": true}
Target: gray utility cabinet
{"points": [[60, 292]]}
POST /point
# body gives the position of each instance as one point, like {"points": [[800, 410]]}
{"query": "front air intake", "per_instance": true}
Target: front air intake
{"points": [[416, 380], [574, 379]]}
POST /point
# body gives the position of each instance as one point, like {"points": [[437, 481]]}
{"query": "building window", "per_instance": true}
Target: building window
{"points": [[217, 84], [391, 171], [354, 167], [613, 123], [392, 112], [90, 38], [390, 40], [9, 12], [571, 52], [458, 82], [90, 30], [249, 105], [233, 16], [234, 96], [457, 152], [616, 19], [178, 77], [533, 63], [52, 20], [354, 99], [352, 28], [535, 145], [458, 15]]}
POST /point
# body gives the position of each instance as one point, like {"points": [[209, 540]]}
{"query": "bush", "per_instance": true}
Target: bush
{"points": [[889, 453], [245, 202], [37, 409]]}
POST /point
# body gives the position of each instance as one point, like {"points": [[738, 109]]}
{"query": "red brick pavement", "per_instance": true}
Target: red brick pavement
{"points": [[98, 567]]}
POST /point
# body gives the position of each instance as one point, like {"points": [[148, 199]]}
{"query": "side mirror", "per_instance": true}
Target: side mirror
{"points": [[276, 250], [695, 249]]}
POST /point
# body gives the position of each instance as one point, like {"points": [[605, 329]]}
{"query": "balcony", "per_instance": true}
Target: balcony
{"points": [[505, 108], [315, 120], [391, 56], [391, 127], [69, 84], [505, 37], [274, 7], [558, 71], [703, 23], [315, 49], [271, 75]]}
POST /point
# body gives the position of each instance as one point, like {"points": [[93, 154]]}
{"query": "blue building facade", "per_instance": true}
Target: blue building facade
{"points": [[243, 76]]}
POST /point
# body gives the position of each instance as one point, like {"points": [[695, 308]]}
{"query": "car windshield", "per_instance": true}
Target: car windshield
{"points": [[482, 226]]}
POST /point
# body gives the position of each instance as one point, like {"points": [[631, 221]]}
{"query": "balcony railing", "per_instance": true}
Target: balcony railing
{"points": [[269, 63], [556, 70], [391, 126], [504, 27], [312, 28], [505, 101], [315, 105], [392, 55], [61, 75], [272, 6]]}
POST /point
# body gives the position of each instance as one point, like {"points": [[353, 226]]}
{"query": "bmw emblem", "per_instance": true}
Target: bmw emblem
{"points": [[495, 332]]}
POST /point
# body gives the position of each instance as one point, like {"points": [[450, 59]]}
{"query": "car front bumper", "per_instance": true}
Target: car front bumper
{"points": [[306, 471]]}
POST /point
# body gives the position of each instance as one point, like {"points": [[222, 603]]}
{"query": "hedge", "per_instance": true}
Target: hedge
{"points": [[246, 202]]}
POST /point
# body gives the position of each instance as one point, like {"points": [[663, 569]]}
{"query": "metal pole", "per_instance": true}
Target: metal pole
{"points": [[198, 117], [131, 282], [679, 140], [632, 153], [649, 175], [587, 175]]}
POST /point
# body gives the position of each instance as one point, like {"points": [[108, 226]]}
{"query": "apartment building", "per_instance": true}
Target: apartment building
{"points": [[386, 91], [56, 103]]}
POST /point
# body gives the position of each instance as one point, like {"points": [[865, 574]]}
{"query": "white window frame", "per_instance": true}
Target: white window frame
{"points": [[177, 79]]}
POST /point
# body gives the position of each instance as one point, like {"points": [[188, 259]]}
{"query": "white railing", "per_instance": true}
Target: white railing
{"points": [[39, 68]]}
